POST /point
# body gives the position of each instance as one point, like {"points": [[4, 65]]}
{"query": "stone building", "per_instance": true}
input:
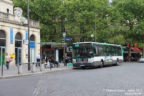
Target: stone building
{"points": [[14, 34]]}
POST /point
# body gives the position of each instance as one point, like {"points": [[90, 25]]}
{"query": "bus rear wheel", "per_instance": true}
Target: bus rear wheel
{"points": [[101, 64], [117, 62]]}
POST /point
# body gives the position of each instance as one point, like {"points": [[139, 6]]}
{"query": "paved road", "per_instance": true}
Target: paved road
{"points": [[124, 80]]}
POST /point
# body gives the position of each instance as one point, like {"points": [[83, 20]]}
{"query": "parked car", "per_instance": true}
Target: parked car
{"points": [[141, 60]]}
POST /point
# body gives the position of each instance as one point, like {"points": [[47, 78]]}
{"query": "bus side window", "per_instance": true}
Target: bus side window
{"points": [[119, 51], [96, 50], [106, 53], [112, 48], [100, 50], [110, 51], [114, 51]]}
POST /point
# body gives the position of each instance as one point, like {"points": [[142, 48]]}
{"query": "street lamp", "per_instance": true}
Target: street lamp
{"points": [[64, 35], [92, 36], [28, 17], [95, 26]]}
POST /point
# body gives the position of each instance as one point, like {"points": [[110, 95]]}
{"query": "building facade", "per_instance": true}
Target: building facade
{"points": [[14, 34]]}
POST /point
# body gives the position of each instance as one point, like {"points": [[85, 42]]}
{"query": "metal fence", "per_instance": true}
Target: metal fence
{"points": [[19, 69]]}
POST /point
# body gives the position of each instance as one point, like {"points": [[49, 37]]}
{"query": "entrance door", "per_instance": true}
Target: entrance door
{"points": [[32, 54], [18, 52], [2, 55]]}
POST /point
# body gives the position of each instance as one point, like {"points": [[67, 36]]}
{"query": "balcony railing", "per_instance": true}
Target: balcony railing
{"points": [[5, 17]]}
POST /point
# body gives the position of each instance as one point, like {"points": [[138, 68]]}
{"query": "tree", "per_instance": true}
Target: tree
{"points": [[75, 17], [47, 14], [132, 12], [80, 16]]}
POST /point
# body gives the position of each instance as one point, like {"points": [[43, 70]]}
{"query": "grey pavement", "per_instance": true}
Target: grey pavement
{"points": [[23, 70], [124, 80]]}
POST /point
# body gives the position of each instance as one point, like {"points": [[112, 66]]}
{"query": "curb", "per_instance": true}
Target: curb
{"points": [[34, 74]]}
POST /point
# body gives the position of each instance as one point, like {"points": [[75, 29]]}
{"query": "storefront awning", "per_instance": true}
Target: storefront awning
{"points": [[135, 49]]}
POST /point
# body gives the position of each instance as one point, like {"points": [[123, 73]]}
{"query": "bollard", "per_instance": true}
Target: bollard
{"points": [[50, 66], [18, 69], [33, 68], [40, 66]]}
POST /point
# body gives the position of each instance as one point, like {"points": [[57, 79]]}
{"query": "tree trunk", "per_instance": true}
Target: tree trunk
{"points": [[129, 53], [142, 53]]}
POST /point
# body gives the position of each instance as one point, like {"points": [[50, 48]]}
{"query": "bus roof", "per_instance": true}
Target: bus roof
{"points": [[97, 43]]}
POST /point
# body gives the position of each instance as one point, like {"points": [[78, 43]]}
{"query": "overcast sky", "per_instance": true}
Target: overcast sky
{"points": [[110, 0]]}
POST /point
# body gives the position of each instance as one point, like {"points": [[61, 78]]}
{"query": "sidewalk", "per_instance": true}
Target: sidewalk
{"points": [[23, 70]]}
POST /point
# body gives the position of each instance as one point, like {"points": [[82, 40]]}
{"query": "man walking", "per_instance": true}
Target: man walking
{"points": [[38, 60]]}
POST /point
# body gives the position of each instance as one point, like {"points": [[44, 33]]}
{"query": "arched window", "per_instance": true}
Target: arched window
{"points": [[32, 38], [18, 40], [18, 36], [2, 38]]}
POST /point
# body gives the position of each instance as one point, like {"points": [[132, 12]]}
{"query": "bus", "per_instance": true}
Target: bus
{"points": [[94, 54]]}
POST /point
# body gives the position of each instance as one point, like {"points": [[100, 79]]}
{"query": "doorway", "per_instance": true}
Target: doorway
{"points": [[18, 53], [18, 48], [2, 55], [32, 48], [2, 47]]}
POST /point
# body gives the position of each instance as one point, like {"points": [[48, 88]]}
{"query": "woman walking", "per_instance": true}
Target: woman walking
{"points": [[7, 60]]}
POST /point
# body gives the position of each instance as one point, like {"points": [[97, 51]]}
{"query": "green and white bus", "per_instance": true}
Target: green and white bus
{"points": [[93, 54]]}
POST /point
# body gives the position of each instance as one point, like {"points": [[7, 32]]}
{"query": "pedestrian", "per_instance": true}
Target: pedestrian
{"points": [[66, 60], [51, 62], [56, 64], [8, 60], [38, 60], [47, 62]]}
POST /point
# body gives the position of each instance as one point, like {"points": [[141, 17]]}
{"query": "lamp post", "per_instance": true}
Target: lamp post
{"points": [[28, 17], [95, 26], [64, 35]]}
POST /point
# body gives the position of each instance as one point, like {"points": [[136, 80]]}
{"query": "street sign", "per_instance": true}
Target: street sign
{"points": [[32, 44], [76, 45], [68, 39]]}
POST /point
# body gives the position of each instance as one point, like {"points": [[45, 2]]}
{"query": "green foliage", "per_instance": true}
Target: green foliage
{"points": [[132, 14], [119, 24]]}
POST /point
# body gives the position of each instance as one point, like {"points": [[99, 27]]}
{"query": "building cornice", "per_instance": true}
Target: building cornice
{"points": [[16, 23], [7, 2], [10, 18]]}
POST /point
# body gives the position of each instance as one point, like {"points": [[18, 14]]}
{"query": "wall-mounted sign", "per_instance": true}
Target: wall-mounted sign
{"points": [[32, 44], [68, 39], [11, 35], [26, 35]]}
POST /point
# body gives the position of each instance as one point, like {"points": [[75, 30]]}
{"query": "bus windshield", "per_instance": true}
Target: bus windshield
{"points": [[83, 51]]}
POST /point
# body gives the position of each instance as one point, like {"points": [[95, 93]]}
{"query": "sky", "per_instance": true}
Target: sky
{"points": [[110, 0]]}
